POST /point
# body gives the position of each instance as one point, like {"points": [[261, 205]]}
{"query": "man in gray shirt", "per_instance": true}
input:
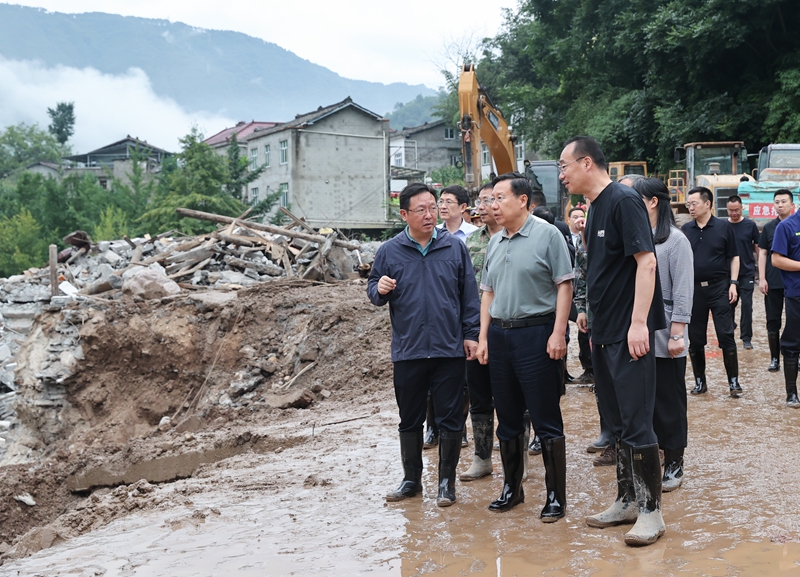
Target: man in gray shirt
{"points": [[527, 295]]}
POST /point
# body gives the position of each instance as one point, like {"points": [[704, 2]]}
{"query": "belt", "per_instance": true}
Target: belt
{"points": [[712, 281], [526, 322]]}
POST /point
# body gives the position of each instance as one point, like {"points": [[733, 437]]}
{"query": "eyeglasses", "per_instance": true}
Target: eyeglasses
{"points": [[481, 201], [693, 204], [562, 165], [421, 211], [497, 199], [441, 202]]}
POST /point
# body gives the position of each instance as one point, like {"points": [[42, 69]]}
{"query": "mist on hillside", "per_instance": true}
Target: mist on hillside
{"points": [[107, 107]]}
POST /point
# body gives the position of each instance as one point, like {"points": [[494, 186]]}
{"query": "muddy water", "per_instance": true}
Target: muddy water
{"points": [[318, 509]]}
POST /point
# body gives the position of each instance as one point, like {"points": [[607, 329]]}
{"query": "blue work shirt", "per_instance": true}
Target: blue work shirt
{"points": [[787, 243], [424, 251]]}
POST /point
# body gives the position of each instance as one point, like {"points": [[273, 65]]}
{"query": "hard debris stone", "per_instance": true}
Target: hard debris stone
{"points": [[149, 283]]}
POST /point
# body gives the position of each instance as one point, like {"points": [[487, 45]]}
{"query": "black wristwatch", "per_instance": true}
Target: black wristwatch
{"points": [[735, 282]]}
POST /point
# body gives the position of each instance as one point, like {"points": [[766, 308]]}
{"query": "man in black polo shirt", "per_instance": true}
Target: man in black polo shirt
{"points": [[716, 274], [746, 233], [769, 278], [625, 297]]}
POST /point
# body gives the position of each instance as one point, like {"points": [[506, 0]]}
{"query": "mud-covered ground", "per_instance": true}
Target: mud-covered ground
{"points": [[300, 491]]}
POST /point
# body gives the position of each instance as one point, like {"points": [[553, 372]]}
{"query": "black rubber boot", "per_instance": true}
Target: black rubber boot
{"points": [[411, 455], [449, 450], [606, 438], [698, 357], [512, 454], [482, 434], [431, 432], [464, 440], [673, 470], [647, 483], [790, 376], [535, 446], [624, 510], [554, 455], [731, 360], [774, 352]]}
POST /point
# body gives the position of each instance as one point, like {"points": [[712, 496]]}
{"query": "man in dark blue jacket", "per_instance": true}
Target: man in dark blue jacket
{"points": [[426, 276]]}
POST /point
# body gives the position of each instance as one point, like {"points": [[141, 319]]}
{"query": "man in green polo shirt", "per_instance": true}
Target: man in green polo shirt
{"points": [[527, 284]]}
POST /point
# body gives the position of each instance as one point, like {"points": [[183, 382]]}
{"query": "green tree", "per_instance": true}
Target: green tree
{"points": [[197, 182], [113, 224], [62, 124], [414, 113], [21, 244], [447, 175], [23, 144], [643, 76], [240, 173]]}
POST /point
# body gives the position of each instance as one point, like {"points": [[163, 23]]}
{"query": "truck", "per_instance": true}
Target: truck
{"points": [[778, 168], [617, 170], [718, 166]]}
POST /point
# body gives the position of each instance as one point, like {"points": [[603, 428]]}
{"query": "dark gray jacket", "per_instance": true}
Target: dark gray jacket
{"points": [[435, 306]]}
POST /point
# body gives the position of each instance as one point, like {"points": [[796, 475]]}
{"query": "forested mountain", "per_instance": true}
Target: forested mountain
{"points": [[226, 72], [644, 76]]}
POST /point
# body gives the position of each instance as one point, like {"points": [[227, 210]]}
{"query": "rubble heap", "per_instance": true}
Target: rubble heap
{"points": [[238, 254]]}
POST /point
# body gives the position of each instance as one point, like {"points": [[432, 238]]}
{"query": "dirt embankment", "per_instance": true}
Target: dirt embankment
{"points": [[212, 363]]}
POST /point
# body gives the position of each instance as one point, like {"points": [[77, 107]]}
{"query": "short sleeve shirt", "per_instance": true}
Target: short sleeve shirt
{"points": [[772, 274], [787, 243], [617, 228], [713, 246], [524, 270], [746, 233]]}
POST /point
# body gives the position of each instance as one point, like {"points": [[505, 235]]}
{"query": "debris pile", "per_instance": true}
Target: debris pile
{"points": [[91, 275]]}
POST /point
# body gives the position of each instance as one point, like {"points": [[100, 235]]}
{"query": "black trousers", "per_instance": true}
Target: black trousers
{"points": [[585, 351], [790, 339], [669, 418], [480, 389], [444, 378], [745, 290], [714, 298], [773, 304], [524, 376], [626, 391]]}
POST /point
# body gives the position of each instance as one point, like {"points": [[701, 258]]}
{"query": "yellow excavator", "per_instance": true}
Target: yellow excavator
{"points": [[482, 121]]}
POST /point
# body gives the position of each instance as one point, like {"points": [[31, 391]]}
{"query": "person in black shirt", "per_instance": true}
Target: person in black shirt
{"points": [[769, 278], [716, 274], [746, 233], [624, 295]]}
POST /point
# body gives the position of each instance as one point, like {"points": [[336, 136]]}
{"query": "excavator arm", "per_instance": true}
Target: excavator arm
{"points": [[482, 121]]}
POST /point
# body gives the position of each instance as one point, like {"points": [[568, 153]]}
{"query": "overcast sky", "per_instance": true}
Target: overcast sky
{"points": [[361, 39]]}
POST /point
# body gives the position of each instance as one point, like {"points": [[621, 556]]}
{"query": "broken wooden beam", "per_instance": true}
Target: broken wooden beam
{"points": [[265, 227]]}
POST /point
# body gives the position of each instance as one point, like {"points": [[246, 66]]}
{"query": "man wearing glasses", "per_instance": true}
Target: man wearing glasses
{"points": [[527, 284], [625, 299], [716, 280], [425, 275], [453, 201]]}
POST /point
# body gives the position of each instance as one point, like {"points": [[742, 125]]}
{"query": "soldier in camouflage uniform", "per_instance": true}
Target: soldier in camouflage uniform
{"points": [[480, 390]]}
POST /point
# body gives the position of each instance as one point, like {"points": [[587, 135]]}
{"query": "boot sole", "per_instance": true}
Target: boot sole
{"points": [[468, 478], [638, 542], [506, 508], [591, 522], [668, 488], [444, 502], [552, 519], [398, 498]]}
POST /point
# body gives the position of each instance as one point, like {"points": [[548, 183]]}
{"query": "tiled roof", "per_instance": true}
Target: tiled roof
{"points": [[242, 130], [309, 118]]}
